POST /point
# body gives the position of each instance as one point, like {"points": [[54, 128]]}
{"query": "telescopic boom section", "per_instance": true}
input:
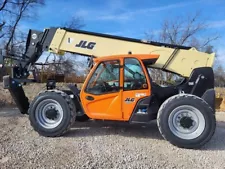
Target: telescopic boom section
{"points": [[178, 59]]}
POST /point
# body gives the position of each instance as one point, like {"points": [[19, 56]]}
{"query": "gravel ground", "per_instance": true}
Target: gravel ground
{"points": [[101, 145]]}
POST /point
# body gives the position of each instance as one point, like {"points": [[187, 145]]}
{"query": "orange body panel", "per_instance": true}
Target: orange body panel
{"points": [[107, 106], [112, 106], [127, 108]]}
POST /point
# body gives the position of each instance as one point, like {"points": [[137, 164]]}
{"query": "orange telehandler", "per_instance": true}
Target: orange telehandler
{"points": [[119, 86]]}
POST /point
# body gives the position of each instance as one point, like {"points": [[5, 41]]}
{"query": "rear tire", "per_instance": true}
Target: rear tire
{"points": [[186, 121], [52, 113]]}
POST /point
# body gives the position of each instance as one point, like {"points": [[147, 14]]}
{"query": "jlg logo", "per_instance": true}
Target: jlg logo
{"points": [[86, 45], [129, 100]]}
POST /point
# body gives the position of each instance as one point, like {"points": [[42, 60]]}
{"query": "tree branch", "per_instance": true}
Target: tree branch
{"points": [[22, 9], [2, 35], [3, 5], [73, 23], [210, 40], [1, 25], [9, 11]]}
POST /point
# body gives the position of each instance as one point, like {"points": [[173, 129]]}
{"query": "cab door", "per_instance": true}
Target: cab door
{"points": [[101, 95], [135, 85]]}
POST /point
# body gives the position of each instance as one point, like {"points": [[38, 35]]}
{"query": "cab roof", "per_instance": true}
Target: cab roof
{"points": [[138, 56]]}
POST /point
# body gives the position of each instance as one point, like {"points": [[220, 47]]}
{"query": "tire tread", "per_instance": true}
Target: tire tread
{"points": [[68, 101], [176, 97]]}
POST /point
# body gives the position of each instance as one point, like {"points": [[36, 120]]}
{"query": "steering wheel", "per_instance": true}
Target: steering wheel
{"points": [[136, 85], [103, 85]]}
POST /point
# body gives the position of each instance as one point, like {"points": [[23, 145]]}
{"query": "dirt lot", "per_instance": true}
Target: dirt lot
{"points": [[101, 145]]}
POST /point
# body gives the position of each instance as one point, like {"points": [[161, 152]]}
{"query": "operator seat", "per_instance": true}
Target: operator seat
{"points": [[161, 93]]}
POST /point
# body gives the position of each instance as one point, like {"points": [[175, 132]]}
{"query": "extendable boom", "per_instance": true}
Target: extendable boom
{"points": [[178, 59]]}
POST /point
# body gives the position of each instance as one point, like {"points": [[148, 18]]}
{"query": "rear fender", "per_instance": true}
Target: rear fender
{"points": [[209, 96]]}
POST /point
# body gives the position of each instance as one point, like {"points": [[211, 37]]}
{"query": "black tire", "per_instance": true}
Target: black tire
{"points": [[80, 116], [179, 101], [68, 113]]}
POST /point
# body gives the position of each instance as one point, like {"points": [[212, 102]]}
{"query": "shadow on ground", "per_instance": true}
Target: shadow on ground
{"points": [[10, 112], [150, 131], [218, 140], [101, 128]]}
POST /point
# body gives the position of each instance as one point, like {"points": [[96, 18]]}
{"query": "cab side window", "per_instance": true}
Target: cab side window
{"points": [[134, 77], [105, 79]]}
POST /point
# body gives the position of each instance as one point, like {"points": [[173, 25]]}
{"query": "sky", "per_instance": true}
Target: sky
{"points": [[131, 18]]}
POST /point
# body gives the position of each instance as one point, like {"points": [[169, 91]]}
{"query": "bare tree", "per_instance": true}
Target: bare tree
{"points": [[74, 23], [12, 39], [2, 23], [184, 31], [181, 31], [22, 10], [15, 11], [219, 76], [69, 64]]}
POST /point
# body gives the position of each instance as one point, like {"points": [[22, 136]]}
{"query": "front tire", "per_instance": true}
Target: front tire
{"points": [[80, 115], [186, 121], [52, 113]]}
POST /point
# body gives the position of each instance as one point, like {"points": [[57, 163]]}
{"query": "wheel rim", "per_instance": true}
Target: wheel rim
{"points": [[49, 113], [186, 122]]}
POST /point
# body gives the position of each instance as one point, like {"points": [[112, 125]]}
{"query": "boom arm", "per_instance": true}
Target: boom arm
{"points": [[178, 59]]}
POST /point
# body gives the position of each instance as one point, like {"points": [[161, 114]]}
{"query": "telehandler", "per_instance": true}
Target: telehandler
{"points": [[119, 86]]}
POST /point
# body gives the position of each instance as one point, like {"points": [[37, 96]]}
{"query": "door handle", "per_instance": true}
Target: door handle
{"points": [[89, 98]]}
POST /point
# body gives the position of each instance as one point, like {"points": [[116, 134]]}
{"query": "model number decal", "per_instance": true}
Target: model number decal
{"points": [[129, 100], [140, 94], [85, 44]]}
